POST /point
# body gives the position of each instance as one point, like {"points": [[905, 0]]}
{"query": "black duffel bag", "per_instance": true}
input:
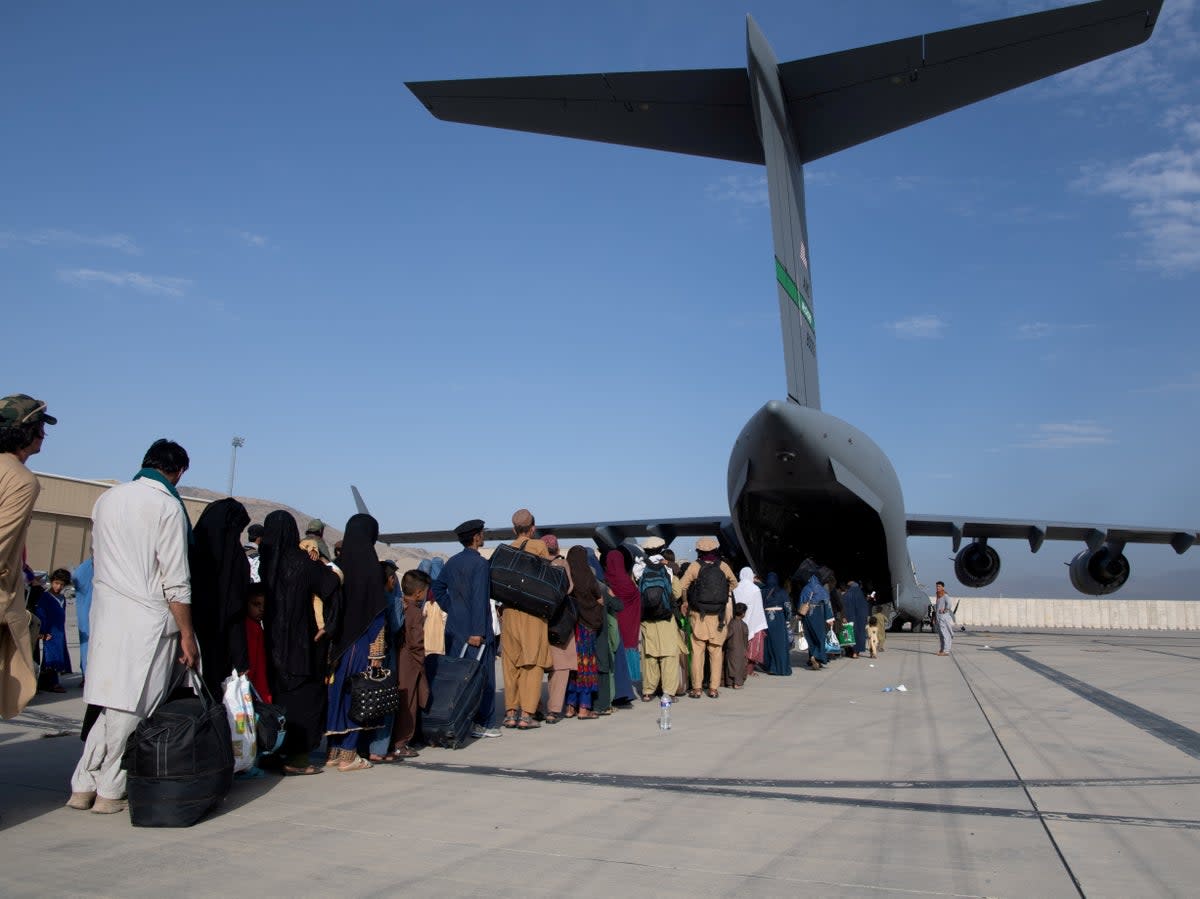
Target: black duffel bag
{"points": [[179, 760], [526, 582]]}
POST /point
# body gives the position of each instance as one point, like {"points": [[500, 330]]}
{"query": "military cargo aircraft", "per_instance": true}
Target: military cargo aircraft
{"points": [[802, 483]]}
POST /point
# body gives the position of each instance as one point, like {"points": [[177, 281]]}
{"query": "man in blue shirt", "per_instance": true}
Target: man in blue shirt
{"points": [[463, 590]]}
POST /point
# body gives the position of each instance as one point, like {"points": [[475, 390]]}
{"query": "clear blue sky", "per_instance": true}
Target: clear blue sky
{"points": [[232, 219]]}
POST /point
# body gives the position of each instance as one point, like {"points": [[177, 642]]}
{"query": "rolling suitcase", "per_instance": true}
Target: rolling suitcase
{"points": [[455, 691]]}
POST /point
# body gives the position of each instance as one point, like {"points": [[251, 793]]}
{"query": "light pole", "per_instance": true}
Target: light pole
{"points": [[237, 441]]}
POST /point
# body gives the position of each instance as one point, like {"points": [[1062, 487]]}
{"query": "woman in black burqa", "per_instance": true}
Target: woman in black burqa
{"points": [[298, 653], [220, 576]]}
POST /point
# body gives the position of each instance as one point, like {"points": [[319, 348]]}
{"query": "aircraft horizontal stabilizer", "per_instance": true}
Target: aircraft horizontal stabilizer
{"points": [[843, 99], [705, 112], [834, 101]]}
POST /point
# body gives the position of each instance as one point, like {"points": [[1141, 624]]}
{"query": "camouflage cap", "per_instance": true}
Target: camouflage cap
{"points": [[20, 409]]}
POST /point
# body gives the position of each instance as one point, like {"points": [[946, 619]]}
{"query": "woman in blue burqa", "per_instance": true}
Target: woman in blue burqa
{"points": [[361, 641], [777, 647], [813, 602]]}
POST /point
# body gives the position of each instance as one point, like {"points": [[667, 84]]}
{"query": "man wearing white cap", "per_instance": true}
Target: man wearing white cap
{"points": [[660, 635]]}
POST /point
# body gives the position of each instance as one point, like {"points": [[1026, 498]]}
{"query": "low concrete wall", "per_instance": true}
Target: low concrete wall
{"points": [[1099, 612]]}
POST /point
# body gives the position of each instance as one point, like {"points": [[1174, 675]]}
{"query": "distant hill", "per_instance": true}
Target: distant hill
{"points": [[405, 557]]}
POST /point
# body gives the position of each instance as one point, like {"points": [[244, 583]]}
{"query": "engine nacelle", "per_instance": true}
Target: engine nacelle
{"points": [[976, 565], [1099, 572]]}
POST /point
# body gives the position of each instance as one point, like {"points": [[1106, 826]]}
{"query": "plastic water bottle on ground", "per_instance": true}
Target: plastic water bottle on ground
{"points": [[664, 713]]}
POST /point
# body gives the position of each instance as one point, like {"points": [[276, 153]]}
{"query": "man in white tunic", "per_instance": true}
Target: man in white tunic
{"points": [[141, 617], [943, 614]]}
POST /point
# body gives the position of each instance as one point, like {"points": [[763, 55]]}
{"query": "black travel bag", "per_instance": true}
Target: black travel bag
{"points": [[455, 691], [179, 760], [270, 724], [526, 582], [561, 627]]}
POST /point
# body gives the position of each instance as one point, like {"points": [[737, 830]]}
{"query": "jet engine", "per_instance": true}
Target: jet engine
{"points": [[976, 564], [1101, 571]]}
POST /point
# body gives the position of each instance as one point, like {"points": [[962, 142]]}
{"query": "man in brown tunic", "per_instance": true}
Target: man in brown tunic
{"points": [[22, 427], [708, 628], [524, 642]]}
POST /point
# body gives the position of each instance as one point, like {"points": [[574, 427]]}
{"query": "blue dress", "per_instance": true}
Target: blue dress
{"points": [[82, 579], [341, 730], [814, 621], [777, 646]]}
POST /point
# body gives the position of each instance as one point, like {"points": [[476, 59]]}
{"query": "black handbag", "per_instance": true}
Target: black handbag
{"points": [[374, 694], [561, 627]]}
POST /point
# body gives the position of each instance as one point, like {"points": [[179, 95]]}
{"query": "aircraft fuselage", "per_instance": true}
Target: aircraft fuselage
{"points": [[802, 484]]}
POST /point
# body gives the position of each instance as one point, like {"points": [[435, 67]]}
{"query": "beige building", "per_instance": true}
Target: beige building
{"points": [[60, 535]]}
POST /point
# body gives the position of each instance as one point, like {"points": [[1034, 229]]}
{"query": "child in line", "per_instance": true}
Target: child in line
{"points": [[410, 664], [737, 648], [256, 606], [51, 611], [873, 635]]}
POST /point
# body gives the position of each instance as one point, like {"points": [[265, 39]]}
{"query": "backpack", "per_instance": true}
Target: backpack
{"points": [[657, 594], [710, 591]]}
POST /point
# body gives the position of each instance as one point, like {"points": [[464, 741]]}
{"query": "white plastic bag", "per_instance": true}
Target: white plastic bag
{"points": [[801, 643], [239, 709]]}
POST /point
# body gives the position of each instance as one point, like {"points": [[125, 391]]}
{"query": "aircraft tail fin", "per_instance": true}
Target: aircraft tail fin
{"points": [[788, 115], [358, 501], [785, 187]]}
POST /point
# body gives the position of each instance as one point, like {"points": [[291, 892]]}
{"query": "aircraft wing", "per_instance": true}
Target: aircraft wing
{"points": [[834, 101], [1093, 535], [610, 533]]}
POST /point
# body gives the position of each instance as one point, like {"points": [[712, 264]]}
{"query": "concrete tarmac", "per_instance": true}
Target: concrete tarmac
{"points": [[1025, 764]]}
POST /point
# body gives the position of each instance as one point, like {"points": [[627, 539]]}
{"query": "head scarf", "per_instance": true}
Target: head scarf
{"points": [[770, 587], [597, 568], [288, 575], [587, 590], [629, 619], [436, 566], [425, 565], [747, 591], [220, 575], [362, 585]]}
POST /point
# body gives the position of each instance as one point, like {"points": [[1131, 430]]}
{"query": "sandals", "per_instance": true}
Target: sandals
{"points": [[711, 694], [570, 713], [646, 697], [511, 718], [404, 752], [289, 771], [526, 722], [359, 764], [590, 716], [552, 718], [383, 759], [693, 694]]}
